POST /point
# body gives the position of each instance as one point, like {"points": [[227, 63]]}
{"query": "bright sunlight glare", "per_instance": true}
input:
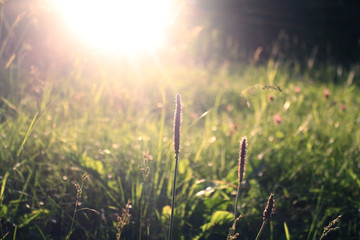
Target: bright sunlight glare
{"points": [[117, 26]]}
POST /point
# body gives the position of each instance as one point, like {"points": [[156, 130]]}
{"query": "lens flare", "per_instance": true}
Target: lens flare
{"points": [[117, 26]]}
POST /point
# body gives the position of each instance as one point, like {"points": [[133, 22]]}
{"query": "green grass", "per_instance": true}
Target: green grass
{"points": [[101, 121]]}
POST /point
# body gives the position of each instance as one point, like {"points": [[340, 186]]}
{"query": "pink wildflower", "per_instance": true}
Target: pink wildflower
{"points": [[343, 107], [277, 119], [326, 93], [270, 98]]}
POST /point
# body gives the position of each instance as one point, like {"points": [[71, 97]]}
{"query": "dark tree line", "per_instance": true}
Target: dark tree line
{"points": [[332, 26]]}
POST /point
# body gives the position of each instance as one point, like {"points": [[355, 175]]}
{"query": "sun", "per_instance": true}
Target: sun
{"points": [[117, 26]]}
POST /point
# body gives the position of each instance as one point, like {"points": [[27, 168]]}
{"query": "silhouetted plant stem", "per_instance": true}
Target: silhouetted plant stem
{"points": [[79, 190], [177, 128], [267, 214], [241, 170], [241, 176], [260, 231], [75, 209], [237, 200], [173, 197]]}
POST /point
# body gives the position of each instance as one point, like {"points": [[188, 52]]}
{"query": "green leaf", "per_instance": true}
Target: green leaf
{"points": [[287, 234], [3, 211], [354, 177], [89, 162], [27, 218], [3, 186], [279, 134], [218, 218], [31, 127]]}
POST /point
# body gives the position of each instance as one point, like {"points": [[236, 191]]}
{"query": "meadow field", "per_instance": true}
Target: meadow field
{"points": [[83, 145]]}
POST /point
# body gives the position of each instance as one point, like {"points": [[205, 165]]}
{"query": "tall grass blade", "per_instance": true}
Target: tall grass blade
{"points": [[287, 234], [3, 186], [10, 61], [5, 235], [15, 231], [10, 32], [41, 232], [9, 104], [160, 143], [312, 230], [31, 127]]}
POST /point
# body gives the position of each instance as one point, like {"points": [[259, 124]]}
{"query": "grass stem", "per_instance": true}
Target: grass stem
{"points": [[72, 221], [177, 130], [173, 197], [237, 200], [78, 196], [260, 231]]}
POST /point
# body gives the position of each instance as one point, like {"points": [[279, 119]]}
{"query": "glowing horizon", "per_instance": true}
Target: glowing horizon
{"points": [[120, 27]]}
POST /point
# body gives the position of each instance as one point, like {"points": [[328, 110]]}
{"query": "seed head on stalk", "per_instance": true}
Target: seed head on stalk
{"points": [[267, 214], [177, 124], [242, 159], [270, 208], [241, 171], [177, 127]]}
